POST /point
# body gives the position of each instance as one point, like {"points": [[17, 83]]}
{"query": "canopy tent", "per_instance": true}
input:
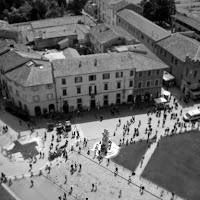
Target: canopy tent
{"points": [[166, 93], [160, 100], [167, 76]]}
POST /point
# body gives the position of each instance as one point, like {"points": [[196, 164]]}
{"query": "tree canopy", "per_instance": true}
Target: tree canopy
{"points": [[15, 11], [158, 11]]}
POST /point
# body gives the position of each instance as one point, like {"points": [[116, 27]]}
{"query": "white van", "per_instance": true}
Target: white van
{"points": [[192, 115]]}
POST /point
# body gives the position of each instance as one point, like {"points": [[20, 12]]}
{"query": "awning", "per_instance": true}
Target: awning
{"points": [[167, 76], [166, 93], [160, 100]]}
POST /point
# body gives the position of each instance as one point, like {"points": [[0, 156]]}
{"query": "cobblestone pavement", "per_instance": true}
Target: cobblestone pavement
{"points": [[89, 126]]}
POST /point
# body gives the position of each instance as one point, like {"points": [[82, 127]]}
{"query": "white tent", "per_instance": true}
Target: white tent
{"points": [[160, 100]]}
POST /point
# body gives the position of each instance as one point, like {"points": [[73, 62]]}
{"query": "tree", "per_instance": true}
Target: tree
{"points": [[158, 11], [76, 6]]}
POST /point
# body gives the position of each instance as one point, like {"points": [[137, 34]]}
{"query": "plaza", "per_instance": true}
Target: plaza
{"points": [[100, 173]]}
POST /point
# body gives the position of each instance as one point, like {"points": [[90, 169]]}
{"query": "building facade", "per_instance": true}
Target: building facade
{"points": [[190, 84], [106, 79], [182, 23]]}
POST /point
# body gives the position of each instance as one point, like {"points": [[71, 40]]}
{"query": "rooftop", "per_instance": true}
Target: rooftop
{"points": [[30, 74], [103, 63], [105, 33], [192, 22], [11, 60], [56, 22], [70, 52], [119, 5], [144, 25], [181, 46]]}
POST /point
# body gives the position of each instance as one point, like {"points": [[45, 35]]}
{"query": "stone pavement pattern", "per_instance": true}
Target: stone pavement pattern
{"points": [[108, 185]]}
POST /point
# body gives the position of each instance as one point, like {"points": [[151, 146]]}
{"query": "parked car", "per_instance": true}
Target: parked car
{"points": [[192, 115]]}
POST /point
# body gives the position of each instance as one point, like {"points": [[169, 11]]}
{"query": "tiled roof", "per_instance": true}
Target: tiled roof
{"points": [[11, 60], [144, 25], [33, 75], [119, 5], [32, 55], [56, 22], [180, 46], [105, 33], [194, 23], [103, 63], [70, 52], [123, 33]]}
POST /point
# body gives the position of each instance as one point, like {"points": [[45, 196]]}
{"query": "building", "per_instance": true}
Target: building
{"points": [[28, 83], [7, 31], [105, 79], [34, 29], [190, 84], [174, 50], [108, 10], [141, 28], [103, 38], [183, 22]]}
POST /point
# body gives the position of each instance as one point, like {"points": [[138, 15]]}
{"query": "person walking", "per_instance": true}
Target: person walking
{"points": [[31, 184]]}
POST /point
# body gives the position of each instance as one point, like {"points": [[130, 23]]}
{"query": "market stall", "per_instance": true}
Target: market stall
{"points": [[160, 102]]}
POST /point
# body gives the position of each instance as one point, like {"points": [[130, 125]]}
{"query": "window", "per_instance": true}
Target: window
{"points": [[118, 85], [92, 89], [165, 54], [157, 72], [105, 100], [148, 83], [35, 88], [106, 76], [49, 86], [172, 59], [131, 83], [50, 96], [78, 90], [64, 91], [63, 81], [149, 73], [131, 73], [160, 50], [36, 98], [176, 61], [142, 36], [186, 73], [139, 84], [17, 93], [195, 73], [78, 79], [92, 78], [105, 86], [119, 74], [79, 103], [140, 74], [118, 98], [156, 82]]}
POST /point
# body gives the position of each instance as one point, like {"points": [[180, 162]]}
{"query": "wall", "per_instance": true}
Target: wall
{"points": [[26, 96], [72, 95]]}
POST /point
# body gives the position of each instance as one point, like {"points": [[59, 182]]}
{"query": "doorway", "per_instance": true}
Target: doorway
{"points": [[92, 103]]}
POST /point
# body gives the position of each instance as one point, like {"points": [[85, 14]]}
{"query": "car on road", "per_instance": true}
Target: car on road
{"points": [[192, 115]]}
